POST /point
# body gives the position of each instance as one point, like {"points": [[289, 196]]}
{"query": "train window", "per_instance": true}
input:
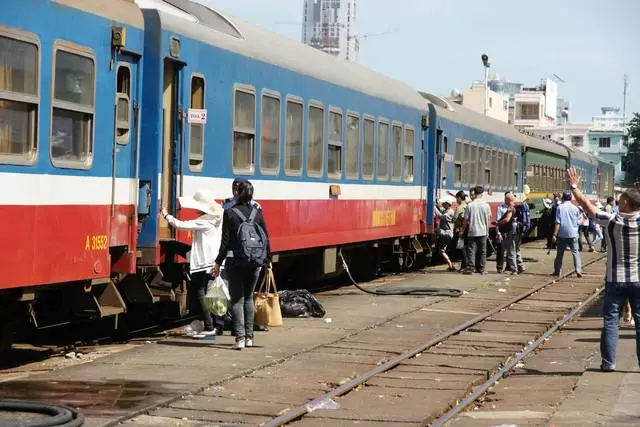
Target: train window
{"points": [[123, 104], [516, 172], [457, 168], [396, 153], [506, 176], [445, 145], [244, 130], [73, 108], [368, 148], [353, 146], [270, 135], [473, 164], [409, 151], [315, 141], [383, 151], [196, 130], [495, 166], [334, 162], [19, 100], [293, 141]]}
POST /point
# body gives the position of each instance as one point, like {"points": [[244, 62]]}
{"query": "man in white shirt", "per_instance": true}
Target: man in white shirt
{"points": [[476, 223]]}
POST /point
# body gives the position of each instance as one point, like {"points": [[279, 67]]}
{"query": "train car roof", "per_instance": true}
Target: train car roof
{"points": [[466, 116], [210, 26], [124, 11], [582, 156]]}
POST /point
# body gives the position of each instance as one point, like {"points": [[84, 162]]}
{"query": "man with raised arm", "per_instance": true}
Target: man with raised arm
{"points": [[622, 281]]}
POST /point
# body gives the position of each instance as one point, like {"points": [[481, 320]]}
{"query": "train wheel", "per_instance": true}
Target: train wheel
{"points": [[364, 264]]}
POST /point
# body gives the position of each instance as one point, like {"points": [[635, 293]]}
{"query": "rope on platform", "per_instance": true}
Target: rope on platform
{"points": [[58, 415], [414, 290]]}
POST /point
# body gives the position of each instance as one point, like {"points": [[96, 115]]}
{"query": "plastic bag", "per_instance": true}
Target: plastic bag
{"points": [[460, 244], [300, 303], [217, 298]]}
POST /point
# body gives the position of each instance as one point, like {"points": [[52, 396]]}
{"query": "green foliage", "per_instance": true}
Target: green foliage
{"points": [[631, 163]]}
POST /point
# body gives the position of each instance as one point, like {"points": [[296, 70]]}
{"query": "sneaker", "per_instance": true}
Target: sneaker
{"points": [[206, 334], [248, 342], [578, 274], [607, 368], [239, 345]]}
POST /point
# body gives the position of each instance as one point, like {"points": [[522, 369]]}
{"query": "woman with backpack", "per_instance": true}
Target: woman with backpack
{"points": [[244, 233]]}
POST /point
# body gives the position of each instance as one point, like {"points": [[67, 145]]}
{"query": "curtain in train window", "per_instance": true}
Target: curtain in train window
{"points": [[315, 139], [368, 148], [396, 153], [383, 151], [196, 130], [293, 142], [244, 131], [18, 99], [458, 162], [73, 108], [409, 147], [270, 135], [334, 162], [353, 146]]}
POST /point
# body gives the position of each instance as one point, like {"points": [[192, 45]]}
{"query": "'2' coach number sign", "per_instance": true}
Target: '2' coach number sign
{"points": [[197, 116]]}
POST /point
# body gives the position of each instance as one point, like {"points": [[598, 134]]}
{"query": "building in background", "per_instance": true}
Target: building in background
{"points": [[508, 89], [609, 138], [536, 106], [330, 26], [474, 98]]}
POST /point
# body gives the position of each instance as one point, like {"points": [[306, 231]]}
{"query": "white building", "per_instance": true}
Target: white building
{"points": [[474, 98], [330, 26], [536, 106]]}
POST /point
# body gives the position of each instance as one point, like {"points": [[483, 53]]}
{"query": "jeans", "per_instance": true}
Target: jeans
{"points": [[477, 253], [583, 230], [511, 246], [242, 284], [199, 283], [615, 295], [563, 243]]}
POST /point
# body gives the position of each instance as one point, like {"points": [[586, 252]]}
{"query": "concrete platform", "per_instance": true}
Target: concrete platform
{"points": [[170, 366]]}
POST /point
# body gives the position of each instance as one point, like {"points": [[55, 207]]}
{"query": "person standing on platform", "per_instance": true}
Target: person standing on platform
{"points": [[461, 200], [505, 228], [622, 279], [444, 233], [565, 234], [476, 224]]}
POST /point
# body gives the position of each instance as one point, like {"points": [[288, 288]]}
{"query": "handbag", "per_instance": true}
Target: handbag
{"points": [[267, 302]]}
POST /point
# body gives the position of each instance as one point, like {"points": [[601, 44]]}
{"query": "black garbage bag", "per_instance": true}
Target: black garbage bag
{"points": [[300, 303]]}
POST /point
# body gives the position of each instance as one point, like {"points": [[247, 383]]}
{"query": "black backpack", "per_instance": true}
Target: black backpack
{"points": [[252, 241]]}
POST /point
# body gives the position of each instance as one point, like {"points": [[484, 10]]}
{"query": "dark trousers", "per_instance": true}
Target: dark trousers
{"points": [[583, 230], [199, 283], [242, 284], [477, 253]]}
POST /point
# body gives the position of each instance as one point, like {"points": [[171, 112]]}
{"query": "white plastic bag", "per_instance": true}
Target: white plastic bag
{"points": [[217, 298], [460, 243]]}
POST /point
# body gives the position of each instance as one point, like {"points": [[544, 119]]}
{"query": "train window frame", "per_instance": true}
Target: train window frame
{"points": [[87, 53], [516, 172], [320, 106], [249, 90], [371, 119], [29, 158], [383, 122], [125, 138], [268, 93], [354, 115], [190, 154], [466, 170], [458, 168], [398, 125], [333, 143], [300, 102], [408, 152], [496, 156], [473, 164]]}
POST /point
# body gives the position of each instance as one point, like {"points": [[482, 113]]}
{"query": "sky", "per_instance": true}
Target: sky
{"points": [[590, 44]]}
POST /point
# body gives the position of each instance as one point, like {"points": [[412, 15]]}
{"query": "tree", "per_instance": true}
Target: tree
{"points": [[632, 160]]}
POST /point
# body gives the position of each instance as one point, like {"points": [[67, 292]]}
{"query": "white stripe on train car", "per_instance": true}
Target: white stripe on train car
{"points": [[304, 190], [20, 189]]}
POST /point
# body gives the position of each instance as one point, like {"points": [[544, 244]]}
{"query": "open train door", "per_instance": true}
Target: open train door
{"points": [[172, 134], [124, 187]]}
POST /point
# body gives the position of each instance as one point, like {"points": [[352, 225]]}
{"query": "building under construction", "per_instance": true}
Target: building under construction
{"points": [[330, 26]]}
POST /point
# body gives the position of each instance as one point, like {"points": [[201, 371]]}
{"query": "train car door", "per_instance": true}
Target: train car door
{"points": [[171, 134], [124, 188]]}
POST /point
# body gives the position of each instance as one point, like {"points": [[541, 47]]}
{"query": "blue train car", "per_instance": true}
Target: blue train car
{"points": [[334, 150]]}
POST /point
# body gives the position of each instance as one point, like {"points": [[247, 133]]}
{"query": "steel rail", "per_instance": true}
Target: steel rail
{"points": [[303, 409], [477, 392]]}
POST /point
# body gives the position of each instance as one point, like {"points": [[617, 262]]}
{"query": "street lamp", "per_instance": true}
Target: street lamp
{"points": [[565, 116], [487, 64]]}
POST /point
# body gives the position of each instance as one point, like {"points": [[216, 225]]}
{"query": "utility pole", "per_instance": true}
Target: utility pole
{"points": [[624, 100]]}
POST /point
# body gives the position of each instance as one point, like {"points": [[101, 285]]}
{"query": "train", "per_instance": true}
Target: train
{"points": [[112, 109]]}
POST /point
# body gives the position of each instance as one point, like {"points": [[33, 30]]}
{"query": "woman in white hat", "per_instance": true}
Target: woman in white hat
{"points": [[206, 235]]}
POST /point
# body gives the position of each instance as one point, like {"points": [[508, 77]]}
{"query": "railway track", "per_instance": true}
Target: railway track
{"points": [[425, 384]]}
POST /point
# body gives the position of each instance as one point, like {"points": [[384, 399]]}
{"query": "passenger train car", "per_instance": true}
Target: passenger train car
{"points": [[110, 110]]}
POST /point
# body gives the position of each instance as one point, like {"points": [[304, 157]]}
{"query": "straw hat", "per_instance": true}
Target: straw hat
{"points": [[202, 201]]}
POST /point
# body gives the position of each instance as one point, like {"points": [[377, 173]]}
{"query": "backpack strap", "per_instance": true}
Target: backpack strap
{"points": [[254, 213], [240, 214]]}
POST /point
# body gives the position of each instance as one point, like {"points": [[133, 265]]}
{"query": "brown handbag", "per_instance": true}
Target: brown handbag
{"points": [[267, 302]]}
